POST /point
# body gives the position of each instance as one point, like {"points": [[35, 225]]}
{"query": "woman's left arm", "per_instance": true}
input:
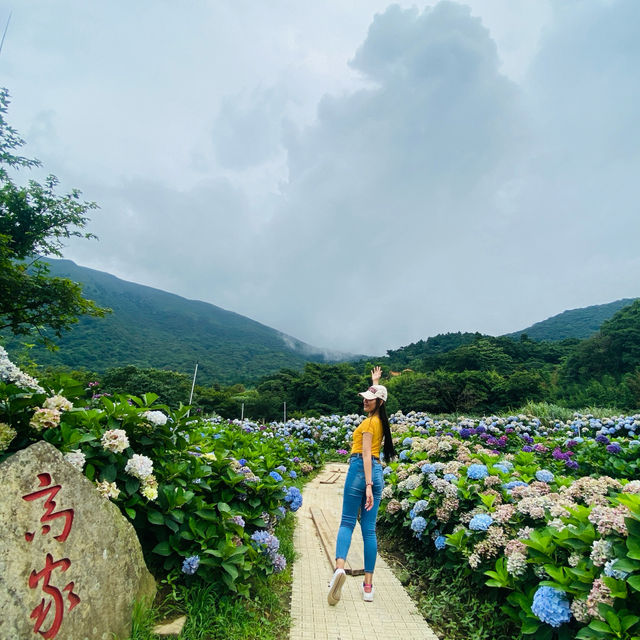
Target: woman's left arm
{"points": [[367, 440]]}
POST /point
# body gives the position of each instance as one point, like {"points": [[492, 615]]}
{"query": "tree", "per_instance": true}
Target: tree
{"points": [[34, 222]]}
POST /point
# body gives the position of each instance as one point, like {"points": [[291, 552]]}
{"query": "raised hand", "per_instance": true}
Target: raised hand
{"points": [[376, 374]]}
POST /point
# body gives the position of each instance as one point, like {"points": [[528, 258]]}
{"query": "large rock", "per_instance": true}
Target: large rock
{"points": [[71, 565]]}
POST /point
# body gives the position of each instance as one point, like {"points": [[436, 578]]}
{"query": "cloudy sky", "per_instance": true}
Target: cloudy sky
{"points": [[359, 175]]}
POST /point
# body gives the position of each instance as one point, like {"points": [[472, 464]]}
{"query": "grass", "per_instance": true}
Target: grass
{"points": [[549, 412], [455, 606], [212, 616]]}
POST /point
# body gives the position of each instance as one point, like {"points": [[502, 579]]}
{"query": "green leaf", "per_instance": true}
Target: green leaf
{"points": [[633, 527], [90, 471], [598, 625], [109, 473], [629, 621], [613, 621], [626, 564], [155, 517], [178, 515], [223, 507], [162, 548], [633, 546], [530, 625], [132, 485], [618, 587], [208, 514], [131, 512], [171, 524], [634, 582], [230, 569]]}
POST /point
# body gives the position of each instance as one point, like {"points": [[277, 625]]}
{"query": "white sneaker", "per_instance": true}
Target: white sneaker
{"points": [[335, 586], [367, 595]]}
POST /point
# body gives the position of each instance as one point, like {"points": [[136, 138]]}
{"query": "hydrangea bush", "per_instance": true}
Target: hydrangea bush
{"points": [[497, 498], [197, 491]]}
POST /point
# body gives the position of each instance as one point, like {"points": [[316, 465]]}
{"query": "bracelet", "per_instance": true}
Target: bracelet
{"points": [[369, 484]]}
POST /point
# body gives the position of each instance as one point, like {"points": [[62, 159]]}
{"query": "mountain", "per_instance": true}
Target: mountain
{"points": [[153, 328], [575, 323]]}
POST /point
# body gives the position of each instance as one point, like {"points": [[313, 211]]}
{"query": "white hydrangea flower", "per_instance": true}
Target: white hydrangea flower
{"points": [[108, 489], [58, 402], [45, 419], [517, 564], [115, 440], [11, 374], [76, 458], [156, 418], [7, 434], [387, 492], [149, 488], [140, 467]]}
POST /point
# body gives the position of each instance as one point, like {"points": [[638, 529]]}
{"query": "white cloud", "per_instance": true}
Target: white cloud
{"points": [[358, 182]]}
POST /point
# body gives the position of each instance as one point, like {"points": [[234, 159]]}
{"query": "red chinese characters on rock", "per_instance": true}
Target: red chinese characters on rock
{"points": [[55, 597]]}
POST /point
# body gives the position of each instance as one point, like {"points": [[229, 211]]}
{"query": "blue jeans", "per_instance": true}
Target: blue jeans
{"points": [[353, 500]]}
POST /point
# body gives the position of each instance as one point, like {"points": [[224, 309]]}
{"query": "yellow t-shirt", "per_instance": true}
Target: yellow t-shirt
{"points": [[371, 425]]}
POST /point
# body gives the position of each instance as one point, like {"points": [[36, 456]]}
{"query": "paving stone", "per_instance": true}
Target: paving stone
{"points": [[352, 618]]}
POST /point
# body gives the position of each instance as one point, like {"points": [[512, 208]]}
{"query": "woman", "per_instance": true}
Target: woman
{"points": [[363, 487]]}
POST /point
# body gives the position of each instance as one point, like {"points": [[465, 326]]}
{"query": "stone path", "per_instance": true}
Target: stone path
{"points": [[392, 614]]}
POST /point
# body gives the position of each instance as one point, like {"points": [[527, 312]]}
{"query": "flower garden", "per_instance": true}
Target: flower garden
{"points": [[545, 513]]}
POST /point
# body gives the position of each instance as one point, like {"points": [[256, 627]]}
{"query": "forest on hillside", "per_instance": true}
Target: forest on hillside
{"points": [[457, 373]]}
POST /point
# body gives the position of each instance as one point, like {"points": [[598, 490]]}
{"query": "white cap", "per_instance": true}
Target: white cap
{"points": [[375, 391]]}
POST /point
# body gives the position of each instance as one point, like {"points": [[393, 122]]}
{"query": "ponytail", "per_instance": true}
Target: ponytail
{"points": [[387, 448]]}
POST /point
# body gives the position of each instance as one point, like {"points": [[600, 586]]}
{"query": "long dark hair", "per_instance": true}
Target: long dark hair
{"points": [[387, 448]]}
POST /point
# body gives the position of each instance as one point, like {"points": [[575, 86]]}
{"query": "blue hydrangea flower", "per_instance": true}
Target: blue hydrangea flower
{"points": [[465, 433], [407, 442], [276, 476], [242, 462], [480, 522], [418, 524], [551, 606], [279, 562], [428, 468], [267, 541], [281, 469], [420, 506], [294, 498], [386, 471], [450, 477], [501, 467], [513, 484], [614, 573], [190, 565], [544, 476], [293, 474], [239, 520], [477, 471], [440, 542], [404, 455]]}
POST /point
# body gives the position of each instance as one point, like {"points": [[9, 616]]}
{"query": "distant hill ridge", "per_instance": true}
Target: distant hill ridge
{"points": [[574, 323], [152, 328]]}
